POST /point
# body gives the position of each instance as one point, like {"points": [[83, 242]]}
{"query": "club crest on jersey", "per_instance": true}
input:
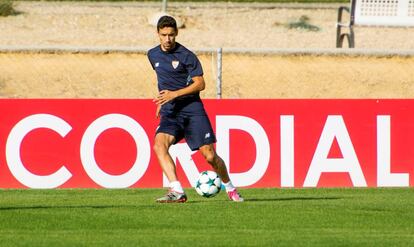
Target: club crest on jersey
{"points": [[175, 64]]}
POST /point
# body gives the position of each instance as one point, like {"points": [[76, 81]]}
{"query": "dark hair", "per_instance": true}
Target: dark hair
{"points": [[166, 21]]}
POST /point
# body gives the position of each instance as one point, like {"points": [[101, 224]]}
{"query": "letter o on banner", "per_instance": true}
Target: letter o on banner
{"points": [[88, 146]]}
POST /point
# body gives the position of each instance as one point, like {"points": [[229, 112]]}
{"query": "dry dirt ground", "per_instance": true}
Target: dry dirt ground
{"points": [[130, 76], [115, 75]]}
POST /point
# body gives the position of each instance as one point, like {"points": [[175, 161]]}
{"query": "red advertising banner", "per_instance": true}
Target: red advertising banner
{"points": [[82, 143]]}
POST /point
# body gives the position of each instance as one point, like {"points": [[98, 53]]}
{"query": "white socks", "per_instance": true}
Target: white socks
{"points": [[176, 186], [229, 186]]}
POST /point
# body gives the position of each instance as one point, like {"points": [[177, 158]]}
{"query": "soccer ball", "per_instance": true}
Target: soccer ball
{"points": [[208, 184]]}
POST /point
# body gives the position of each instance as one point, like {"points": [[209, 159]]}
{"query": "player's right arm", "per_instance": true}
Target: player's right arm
{"points": [[166, 96]]}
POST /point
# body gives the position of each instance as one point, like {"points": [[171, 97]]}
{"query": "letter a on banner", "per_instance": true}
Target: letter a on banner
{"points": [[335, 128]]}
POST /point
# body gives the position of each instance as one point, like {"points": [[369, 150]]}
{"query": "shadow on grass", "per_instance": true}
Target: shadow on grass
{"points": [[291, 199], [15, 13], [72, 207], [151, 205], [270, 199]]}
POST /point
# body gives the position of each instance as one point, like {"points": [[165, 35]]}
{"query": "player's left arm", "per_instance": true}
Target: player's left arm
{"points": [[166, 96]]}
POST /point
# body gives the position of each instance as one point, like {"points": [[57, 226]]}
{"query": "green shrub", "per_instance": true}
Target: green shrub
{"points": [[6, 8], [303, 23]]}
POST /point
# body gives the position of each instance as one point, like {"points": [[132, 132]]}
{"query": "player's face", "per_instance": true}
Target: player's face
{"points": [[167, 38]]}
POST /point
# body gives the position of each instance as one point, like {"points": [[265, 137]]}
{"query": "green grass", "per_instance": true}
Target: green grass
{"points": [[303, 24], [6, 8], [269, 217]]}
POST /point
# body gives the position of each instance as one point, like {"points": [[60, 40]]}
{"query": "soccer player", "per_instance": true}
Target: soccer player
{"points": [[180, 80]]}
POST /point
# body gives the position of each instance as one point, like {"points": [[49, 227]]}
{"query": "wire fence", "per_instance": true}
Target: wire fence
{"points": [[76, 72]]}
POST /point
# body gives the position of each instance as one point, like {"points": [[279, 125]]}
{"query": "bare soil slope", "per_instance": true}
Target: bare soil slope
{"points": [[206, 26]]}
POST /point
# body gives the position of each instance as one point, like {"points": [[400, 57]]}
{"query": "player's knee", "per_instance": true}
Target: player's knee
{"points": [[209, 154], [210, 157]]}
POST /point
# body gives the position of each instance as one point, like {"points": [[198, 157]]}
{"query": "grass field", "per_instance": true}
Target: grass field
{"points": [[269, 217]]}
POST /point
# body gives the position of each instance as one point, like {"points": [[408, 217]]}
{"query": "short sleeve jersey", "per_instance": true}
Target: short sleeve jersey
{"points": [[174, 71]]}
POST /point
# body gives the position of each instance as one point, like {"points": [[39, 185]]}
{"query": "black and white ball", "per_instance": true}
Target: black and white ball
{"points": [[208, 184]]}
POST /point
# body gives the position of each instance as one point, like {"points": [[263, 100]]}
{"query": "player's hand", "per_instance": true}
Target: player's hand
{"points": [[165, 96]]}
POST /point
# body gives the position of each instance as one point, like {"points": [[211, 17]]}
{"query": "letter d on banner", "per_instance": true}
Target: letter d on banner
{"points": [[223, 126]]}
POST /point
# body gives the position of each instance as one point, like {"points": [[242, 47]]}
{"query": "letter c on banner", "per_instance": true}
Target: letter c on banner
{"points": [[14, 141], [87, 149]]}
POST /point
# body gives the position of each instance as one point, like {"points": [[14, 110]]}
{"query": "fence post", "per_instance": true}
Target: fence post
{"points": [[219, 71], [164, 6]]}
